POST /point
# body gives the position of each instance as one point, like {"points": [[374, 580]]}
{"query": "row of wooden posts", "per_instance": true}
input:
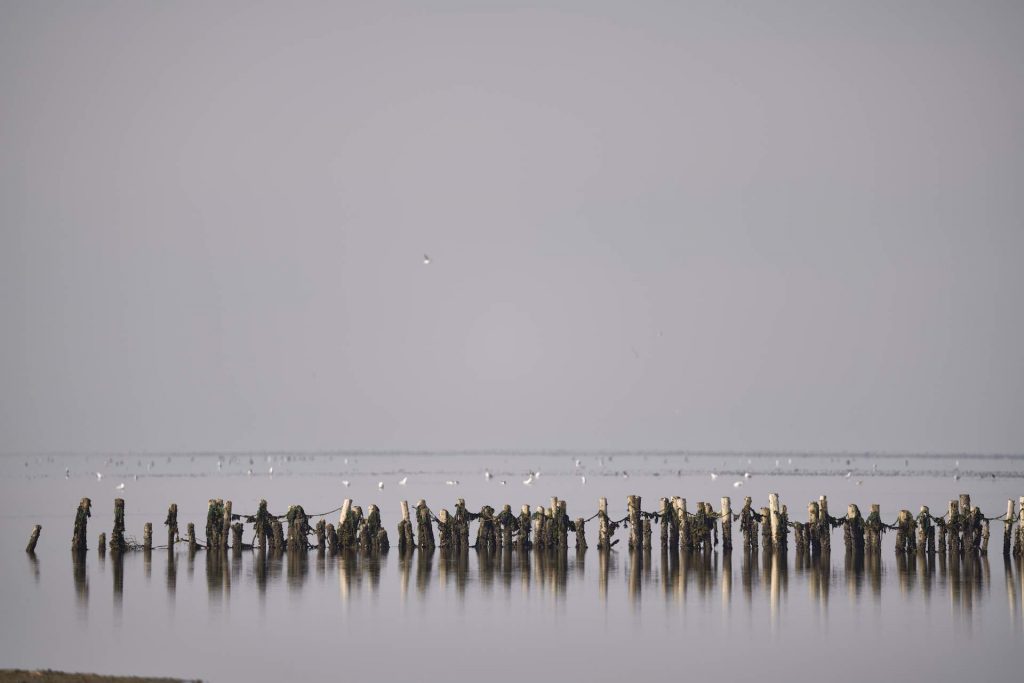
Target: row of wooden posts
{"points": [[962, 529]]}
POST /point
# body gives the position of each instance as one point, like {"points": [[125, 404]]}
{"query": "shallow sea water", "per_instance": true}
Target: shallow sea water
{"points": [[509, 616]]}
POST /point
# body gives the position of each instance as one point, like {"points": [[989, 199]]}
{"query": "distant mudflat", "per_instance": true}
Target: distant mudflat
{"points": [[47, 676]]}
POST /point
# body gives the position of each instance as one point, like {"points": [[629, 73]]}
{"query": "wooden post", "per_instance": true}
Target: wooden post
{"points": [[444, 530], [191, 530], [1008, 528], [766, 529], [673, 524], [563, 524], [214, 523], [726, 524], [225, 525], [78, 539], [748, 525], [277, 543], [461, 529], [236, 537], [581, 534], [332, 539], [635, 525], [985, 534], [102, 540], [603, 537], [1019, 548], [813, 525], [405, 536], [825, 526], [773, 508], [117, 542], [321, 535], [647, 534], [924, 524], [523, 540], [966, 523], [172, 525], [33, 539], [663, 516], [685, 532], [953, 526], [424, 526], [506, 523], [873, 528], [853, 530], [298, 529], [901, 532], [147, 537], [783, 528]]}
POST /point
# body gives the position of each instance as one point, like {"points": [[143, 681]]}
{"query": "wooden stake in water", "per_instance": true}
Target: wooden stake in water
{"points": [[406, 541], [332, 539], [102, 540], [172, 525], [1008, 528], [813, 527], [967, 523], [117, 542], [581, 534], [33, 539], [825, 526], [748, 524], [635, 529], [523, 540], [766, 529], [78, 539], [191, 530], [953, 527], [773, 511], [726, 525], [424, 526], [603, 536], [1019, 549], [147, 536]]}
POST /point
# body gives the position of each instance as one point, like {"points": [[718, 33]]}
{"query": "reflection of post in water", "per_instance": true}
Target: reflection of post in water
{"points": [[726, 579], [216, 573], [603, 557], [453, 565], [172, 573], [405, 556], [117, 564], [505, 559], [298, 566], [81, 579], [485, 559], [524, 568], [424, 568], [904, 573], [1011, 592], [33, 563], [854, 565], [820, 577], [260, 569], [874, 567], [926, 573], [779, 581], [748, 570], [635, 564]]}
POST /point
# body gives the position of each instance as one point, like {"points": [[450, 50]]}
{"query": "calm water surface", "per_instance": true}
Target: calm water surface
{"points": [[510, 616]]}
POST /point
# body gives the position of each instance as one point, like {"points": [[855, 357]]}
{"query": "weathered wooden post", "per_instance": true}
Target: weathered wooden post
{"points": [[646, 534], [985, 534], [673, 527], [766, 528], [263, 526], [853, 530], [277, 542], [225, 526], [462, 520], [102, 541], [953, 526], [783, 528], [873, 528], [603, 537], [506, 522], [214, 522], [321, 535], [581, 534], [405, 536], [236, 537], [1008, 528], [332, 539], [924, 524], [748, 524], [298, 528], [486, 536], [967, 523], [813, 525], [1019, 548], [773, 511], [147, 536], [726, 524], [825, 527], [191, 531], [901, 531], [424, 526], [523, 539], [563, 524], [117, 542], [685, 531], [33, 539], [445, 534], [663, 516], [78, 538], [172, 524], [635, 529]]}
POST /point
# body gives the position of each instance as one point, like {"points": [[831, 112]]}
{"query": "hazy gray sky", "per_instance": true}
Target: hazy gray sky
{"points": [[652, 225]]}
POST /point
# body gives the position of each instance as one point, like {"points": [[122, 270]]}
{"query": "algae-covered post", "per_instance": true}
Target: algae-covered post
{"points": [[78, 539], [332, 539], [102, 540], [225, 525], [873, 527], [635, 529], [776, 526], [236, 538], [581, 534], [1019, 548], [825, 526], [967, 522], [813, 526], [405, 537], [924, 527], [953, 526], [766, 529], [172, 524], [117, 542], [647, 533], [673, 523], [663, 515], [424, 526], [147, 536], [321, 535], [191, 531], [33, 539], [1008, 528], [748, 524], [523, 540], [685, 532]]}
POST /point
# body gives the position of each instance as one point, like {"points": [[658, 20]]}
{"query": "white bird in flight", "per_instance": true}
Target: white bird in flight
{"points": [[713, 476], [487, 475], [737, 484], [401, 482], [120, 487], [345, 482], [528, 480], [426, 260], [746, 475], [452, 482], [380, 484], [270, 471], [99, 477], [583, 479]]}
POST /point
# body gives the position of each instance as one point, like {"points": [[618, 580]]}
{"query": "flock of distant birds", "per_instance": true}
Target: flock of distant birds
{"points": [[532, 475]]}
